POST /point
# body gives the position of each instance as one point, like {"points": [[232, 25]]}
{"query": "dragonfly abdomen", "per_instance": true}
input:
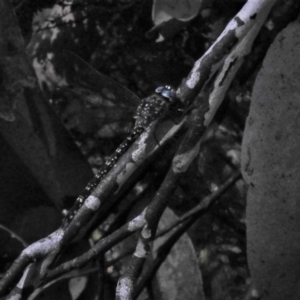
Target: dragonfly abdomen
{"points": [[149, 110]]}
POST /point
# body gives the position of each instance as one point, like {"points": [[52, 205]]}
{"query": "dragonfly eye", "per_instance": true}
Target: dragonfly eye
{"points": [[167, 92], [159, 89]]}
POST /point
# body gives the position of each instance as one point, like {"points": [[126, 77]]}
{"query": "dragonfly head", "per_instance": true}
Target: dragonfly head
{"points": [[167, 92]]}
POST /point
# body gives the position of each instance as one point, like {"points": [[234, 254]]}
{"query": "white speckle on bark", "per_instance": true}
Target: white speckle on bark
{"points": [[139, 152], [137, 223], [14, 297], [123, 288], [92, 202], [146, 233], [195, 75], [182, 162], [140, 250], [44, 246], [193, 79]]}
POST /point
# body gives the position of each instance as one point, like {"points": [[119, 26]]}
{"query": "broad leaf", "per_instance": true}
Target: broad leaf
{"points": [[271, 164]]}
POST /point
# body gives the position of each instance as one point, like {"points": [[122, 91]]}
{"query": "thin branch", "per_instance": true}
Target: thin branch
{"points": [[36, 250], [14, 235], [232, 64], [205, 68], [162, 253], [203, 205], [184, 156], [182, 225], [100, 247]]}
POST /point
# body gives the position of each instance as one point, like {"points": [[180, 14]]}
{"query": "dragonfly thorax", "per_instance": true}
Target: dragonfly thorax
{"points": [[154, 106]]}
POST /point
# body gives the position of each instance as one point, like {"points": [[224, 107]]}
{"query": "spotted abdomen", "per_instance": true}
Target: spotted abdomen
{"points": [[150, 109]]}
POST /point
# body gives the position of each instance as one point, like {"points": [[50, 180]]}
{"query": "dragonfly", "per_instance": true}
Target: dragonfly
{"points": [[99, 89]]}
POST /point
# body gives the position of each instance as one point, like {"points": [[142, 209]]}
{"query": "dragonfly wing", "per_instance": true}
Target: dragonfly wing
{"points": [[79, 114], [98, 88], [86, 99]]}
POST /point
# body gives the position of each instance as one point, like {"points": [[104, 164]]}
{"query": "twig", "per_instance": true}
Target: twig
{"points": [[204, 204], [38, 249], [100, 247], [232, 64], [182, 225], [205, 68], [14, 235], [162, 253], [184, 156]]}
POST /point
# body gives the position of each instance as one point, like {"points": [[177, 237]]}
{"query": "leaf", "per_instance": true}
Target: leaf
{"points": [[170, 16], [183, 10], [181, 263], [271, 164], [77, 285]]}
